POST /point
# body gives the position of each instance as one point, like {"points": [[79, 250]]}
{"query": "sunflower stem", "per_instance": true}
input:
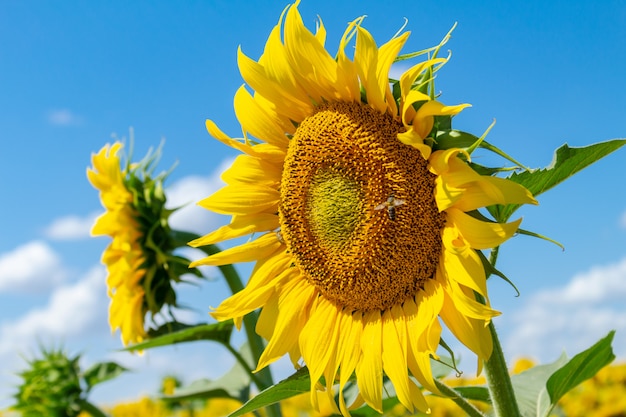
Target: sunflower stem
{"points": [[263, 377], [496, 370], [455, 396]]}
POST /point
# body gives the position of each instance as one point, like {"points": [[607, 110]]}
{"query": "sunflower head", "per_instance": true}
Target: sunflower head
{"points": [[141, 266], [369, 229]]}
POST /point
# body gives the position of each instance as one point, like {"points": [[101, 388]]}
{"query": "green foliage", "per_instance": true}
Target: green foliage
{"points": [[53, 385], [538, 389], [233, 384], [217, 332], [566, 162], [297, 383]]}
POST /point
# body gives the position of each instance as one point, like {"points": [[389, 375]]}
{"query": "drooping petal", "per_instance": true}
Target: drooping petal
{"points": [[481, 234]]}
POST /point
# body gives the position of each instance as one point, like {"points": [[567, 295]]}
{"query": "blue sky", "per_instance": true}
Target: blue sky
{"points": [[74, 73]]}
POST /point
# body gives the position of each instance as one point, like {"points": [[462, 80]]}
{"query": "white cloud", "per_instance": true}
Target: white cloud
{"points": [[71, 227], [72, 310], [186, 193], [32, 267], [572, 317], [63, 117], [622, 221]]}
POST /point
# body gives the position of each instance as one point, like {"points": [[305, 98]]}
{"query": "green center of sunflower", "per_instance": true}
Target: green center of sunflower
{"points": [[357, 210]]}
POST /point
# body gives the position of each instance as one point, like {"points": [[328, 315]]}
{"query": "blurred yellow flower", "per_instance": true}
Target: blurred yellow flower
{"points": [[124, 257]]}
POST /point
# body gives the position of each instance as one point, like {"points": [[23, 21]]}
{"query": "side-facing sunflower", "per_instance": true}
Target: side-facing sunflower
{"points": [[364, 240], [140, 264]]}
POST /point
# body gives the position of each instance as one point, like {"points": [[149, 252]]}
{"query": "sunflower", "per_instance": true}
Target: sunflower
{"points": [[367, 235], [139, 262]]}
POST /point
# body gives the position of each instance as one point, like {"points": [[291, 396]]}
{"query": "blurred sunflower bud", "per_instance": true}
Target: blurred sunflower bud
{"points": [[53, 385], [140, 261]]}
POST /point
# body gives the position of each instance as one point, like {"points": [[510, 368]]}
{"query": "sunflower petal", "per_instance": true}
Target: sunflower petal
{"points": [[239, 226], [242, 199], [480, 234], [369, 370], [260, 248]]}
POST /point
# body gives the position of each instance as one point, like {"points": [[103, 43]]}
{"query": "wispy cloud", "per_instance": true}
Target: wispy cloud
{"points": [[71, 227], [622, 220], [72, 310], [32, 267], [63, 117], [186, 192], [574, 316]]}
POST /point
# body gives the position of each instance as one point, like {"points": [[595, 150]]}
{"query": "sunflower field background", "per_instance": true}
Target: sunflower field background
{"points": [[122, 322]]}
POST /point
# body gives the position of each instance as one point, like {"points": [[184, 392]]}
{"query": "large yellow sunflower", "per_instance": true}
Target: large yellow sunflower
{"points": [[363, 237]]}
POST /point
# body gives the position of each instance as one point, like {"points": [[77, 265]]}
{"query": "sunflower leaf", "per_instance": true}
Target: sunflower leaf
{"points": [[539, 389], [580, 368], [475, 393], [530, 387], [217, 332], [296, 384], [233, 384], [101, 372], [566, 162]]}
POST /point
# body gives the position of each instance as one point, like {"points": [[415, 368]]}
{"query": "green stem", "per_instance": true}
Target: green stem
{"points": [[244, 364], [465, 405], [264, 376], [88, 407], [496, 370]]}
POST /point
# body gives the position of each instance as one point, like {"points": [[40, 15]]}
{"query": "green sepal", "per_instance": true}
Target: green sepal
{"points": [[492, 270], [539, 236], [172, 333], [448, 139], [101, 372]]}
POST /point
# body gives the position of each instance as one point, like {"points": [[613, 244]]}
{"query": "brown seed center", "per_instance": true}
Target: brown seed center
{"points": [[357, 209]]}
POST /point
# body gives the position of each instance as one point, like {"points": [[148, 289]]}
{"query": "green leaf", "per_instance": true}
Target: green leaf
{"points": [[233, 384], [475, 393], [297, 383], [566, 162], [580, 368], [530, 388], [217, 332], [538, 389], [101, 372]]}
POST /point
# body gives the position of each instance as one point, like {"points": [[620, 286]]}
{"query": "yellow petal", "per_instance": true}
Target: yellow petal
{"points": [[366, 60], [394, 354], [369, 370], [239, 226], [294, 299], [492, 190], [242, 199], [408, 78], [250, 170], [349, 351], [386, 56], [423, 121], [262, 247], [317, 342], [480, 234], [255, 76], [265, 151], [255, 120]]}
